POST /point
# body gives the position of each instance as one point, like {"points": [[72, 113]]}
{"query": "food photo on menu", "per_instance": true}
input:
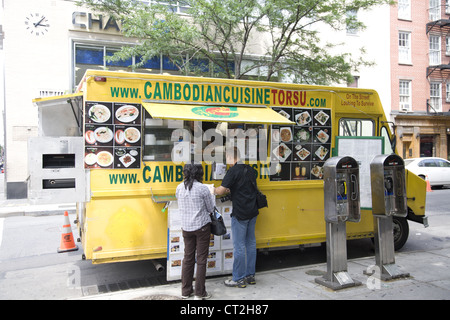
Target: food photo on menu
{"points": [[302, 152], [302, 134], [98, 158], [98, 112], [302, 117], [301, 171], [321, 118], [322, 135], [127, 113], [126, 157]]}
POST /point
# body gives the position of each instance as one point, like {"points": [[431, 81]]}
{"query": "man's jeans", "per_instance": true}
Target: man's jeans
{"points": [[244, 244]]}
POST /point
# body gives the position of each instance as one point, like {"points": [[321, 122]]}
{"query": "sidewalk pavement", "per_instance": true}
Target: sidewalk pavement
{"points": [[429, 275], [21, 207], [429, 280]]}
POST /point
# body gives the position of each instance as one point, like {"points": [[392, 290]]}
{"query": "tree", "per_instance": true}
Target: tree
{"points": [[217, 35]]}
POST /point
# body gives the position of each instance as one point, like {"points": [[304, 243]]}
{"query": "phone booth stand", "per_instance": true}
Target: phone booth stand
{"points": [[341, 204], [387, 175]]}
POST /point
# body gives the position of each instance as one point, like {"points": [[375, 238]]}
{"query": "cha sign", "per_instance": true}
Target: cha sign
{"points": [[83, 20]]}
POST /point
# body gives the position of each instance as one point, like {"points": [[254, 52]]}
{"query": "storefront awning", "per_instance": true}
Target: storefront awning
{"points": [[263, 115]]}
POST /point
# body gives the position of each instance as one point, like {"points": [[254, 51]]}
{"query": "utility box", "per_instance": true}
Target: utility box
{"points": [[56, 170]]}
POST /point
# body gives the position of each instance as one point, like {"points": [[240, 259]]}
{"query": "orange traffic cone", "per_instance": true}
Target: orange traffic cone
{"points": [[428, 184], [67, 241]]}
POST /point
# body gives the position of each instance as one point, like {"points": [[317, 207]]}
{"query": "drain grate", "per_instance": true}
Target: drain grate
{"points": [[124, 285]]}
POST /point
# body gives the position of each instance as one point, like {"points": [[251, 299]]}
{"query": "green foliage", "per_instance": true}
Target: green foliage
{"points": [[216, 35]]}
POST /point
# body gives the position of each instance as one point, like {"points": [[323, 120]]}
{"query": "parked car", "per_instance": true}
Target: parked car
{"points": [[436, 169]]}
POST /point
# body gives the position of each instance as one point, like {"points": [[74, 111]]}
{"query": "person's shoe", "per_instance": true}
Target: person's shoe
{"points": [[206, 296], [235, 284], [188, 296], [250, 279]]}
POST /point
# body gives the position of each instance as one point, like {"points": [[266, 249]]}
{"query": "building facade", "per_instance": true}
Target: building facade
{"points": [[49, 44], [420, 83]]}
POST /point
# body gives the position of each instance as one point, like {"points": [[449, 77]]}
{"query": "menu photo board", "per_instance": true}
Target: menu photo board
{"points": [[112, 134], [363, 150], [301, 149]]}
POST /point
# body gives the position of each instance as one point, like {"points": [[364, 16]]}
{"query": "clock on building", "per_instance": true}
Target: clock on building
{"points": [[37, 24]]}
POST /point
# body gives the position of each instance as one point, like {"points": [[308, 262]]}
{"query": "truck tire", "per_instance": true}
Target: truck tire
{"points": [[401, 232]]}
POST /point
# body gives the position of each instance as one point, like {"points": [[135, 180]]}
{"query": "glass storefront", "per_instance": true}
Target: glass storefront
{"points": [[427, 146]]}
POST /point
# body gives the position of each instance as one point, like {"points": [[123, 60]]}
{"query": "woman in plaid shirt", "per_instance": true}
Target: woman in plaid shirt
{"points": [[195, 202]]}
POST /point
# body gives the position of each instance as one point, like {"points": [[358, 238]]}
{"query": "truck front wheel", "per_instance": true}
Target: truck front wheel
{"points": [[401, 232]]}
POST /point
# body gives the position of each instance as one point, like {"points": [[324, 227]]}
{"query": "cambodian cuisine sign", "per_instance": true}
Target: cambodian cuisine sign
{"points": [[220, 94]]}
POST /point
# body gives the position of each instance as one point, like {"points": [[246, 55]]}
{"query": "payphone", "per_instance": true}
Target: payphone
{"points": [[341, 190], [387, 178], [341, 204]]}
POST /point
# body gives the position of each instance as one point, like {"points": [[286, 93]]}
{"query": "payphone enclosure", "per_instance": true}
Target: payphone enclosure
{"points": [[387, 175], [341, 190]]}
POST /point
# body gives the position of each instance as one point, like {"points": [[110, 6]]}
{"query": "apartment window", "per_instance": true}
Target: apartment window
{"points": [[435, 50], [404, 9], [436, 96], [404, 47], [435, 10], [447, 92], [447, 6], [405, 95], [447, 45]]}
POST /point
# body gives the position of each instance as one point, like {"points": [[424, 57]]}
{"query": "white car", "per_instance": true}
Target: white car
{"points": [[436, 169]]}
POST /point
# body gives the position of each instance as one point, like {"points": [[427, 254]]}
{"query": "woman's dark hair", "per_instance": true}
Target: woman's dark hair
{"points": [[191, 173]]}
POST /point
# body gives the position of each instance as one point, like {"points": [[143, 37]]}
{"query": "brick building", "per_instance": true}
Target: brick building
{"points": [[420, 82]]}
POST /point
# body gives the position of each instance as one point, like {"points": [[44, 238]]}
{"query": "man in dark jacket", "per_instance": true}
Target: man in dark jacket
{"points": [[238, 181]]}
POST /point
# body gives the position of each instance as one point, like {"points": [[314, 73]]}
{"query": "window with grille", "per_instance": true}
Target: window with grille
{"points": [[405, 95], [435, 10], [435, 50], [436, 96], [404, 9], [404, 47]]}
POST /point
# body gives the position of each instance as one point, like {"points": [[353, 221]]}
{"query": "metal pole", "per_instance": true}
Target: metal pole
{"points": [[384, 248], [337, 276]]}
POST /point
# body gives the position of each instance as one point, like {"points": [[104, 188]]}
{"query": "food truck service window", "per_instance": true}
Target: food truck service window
{"points": [[163, 140], [182, 133]]}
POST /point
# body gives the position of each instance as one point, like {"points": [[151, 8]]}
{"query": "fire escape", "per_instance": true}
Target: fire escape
{"points": [[439, 71], [438, 33]]}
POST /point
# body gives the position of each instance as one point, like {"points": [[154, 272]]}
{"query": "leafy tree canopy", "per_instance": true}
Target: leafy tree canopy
{"points": [[218, 35]]}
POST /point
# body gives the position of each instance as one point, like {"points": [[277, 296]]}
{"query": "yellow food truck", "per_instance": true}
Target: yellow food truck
{"points": [[117, 148]]}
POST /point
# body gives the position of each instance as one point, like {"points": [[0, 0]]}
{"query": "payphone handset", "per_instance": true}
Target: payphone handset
{"points": [[341, 194], [387, 174], [341, 188]]}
